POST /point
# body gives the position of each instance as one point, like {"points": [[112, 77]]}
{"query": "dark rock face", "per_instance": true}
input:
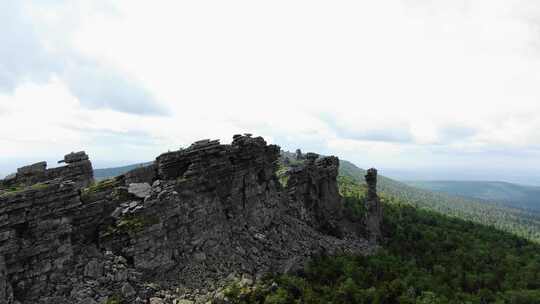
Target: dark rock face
{"points": [[374, 208], [314, 195], [35, 235], [37, 168], [189, 220], [78, 169], [145, 174], [298, 154], [6, 293]]}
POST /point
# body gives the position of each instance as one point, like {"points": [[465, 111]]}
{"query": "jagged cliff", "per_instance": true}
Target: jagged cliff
{"points": [[188, 221]]}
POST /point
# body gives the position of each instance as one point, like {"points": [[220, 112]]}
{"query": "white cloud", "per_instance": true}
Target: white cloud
{"points": [[392, 83], [30, 54]]}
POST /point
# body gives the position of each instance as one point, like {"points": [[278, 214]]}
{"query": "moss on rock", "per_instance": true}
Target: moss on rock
{"points": [[131, 224], [88, 193]]}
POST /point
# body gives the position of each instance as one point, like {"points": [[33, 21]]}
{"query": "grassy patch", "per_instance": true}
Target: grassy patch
{"points": [[238, 294], [39, 186], [354, 196], [282, 174], [88, 193], [136, 223], [115, 299], [15, 189], [132, 224], [283, 168], [12, 190]]}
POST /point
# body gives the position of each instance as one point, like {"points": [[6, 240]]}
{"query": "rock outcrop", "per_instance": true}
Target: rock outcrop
{"points": [[189, 220], [374, 208], [298, 155], [314, 196], [78, 169]]}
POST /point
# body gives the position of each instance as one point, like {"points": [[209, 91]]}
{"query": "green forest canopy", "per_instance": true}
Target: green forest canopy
{"points": [[427, 257]]}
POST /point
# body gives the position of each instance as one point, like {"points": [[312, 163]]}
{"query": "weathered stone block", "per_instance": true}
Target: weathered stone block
{"points": [[32, 169]]}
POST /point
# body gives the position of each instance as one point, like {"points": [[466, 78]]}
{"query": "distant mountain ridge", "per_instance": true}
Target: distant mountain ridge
{"points": [[100, 174], [508, 194], [520, 221]]}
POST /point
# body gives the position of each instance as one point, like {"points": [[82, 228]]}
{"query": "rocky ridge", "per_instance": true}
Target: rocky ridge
{"points": [[173, 231]]}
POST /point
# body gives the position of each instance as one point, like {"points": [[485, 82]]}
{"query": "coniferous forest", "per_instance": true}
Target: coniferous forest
{"points": [[521, 222], [427, 257]]}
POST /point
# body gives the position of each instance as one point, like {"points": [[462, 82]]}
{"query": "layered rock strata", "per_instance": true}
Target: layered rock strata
{"points": [[189, 220], [78, 169]]}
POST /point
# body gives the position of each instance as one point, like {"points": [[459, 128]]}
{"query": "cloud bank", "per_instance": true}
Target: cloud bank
{"points": [[400, 84], [27, 56]]}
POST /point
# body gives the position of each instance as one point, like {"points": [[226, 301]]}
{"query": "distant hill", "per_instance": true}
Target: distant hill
{"points": [[512, 195], [104, 173], [522, 222]]}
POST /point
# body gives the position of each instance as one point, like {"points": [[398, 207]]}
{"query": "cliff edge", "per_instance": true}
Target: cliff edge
{"points": [[188, 221]]}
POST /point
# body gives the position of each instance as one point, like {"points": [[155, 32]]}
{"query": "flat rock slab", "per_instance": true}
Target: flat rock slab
{"points": [[140, 190]]}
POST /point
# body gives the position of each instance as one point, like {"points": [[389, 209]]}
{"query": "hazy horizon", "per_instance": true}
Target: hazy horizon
{"points": [[522, 177]]}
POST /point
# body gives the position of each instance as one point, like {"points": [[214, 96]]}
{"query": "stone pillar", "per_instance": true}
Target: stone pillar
{"points": [[374, 208], [78, 168], [299, 154]]}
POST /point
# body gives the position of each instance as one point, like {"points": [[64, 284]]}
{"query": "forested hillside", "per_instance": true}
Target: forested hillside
{"points": [[438, 249], [426, 258], [521, 222], [100, 174], [508, 194]]}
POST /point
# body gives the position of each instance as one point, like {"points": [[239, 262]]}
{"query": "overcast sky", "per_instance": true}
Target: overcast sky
{"points": [[409, 84]]}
